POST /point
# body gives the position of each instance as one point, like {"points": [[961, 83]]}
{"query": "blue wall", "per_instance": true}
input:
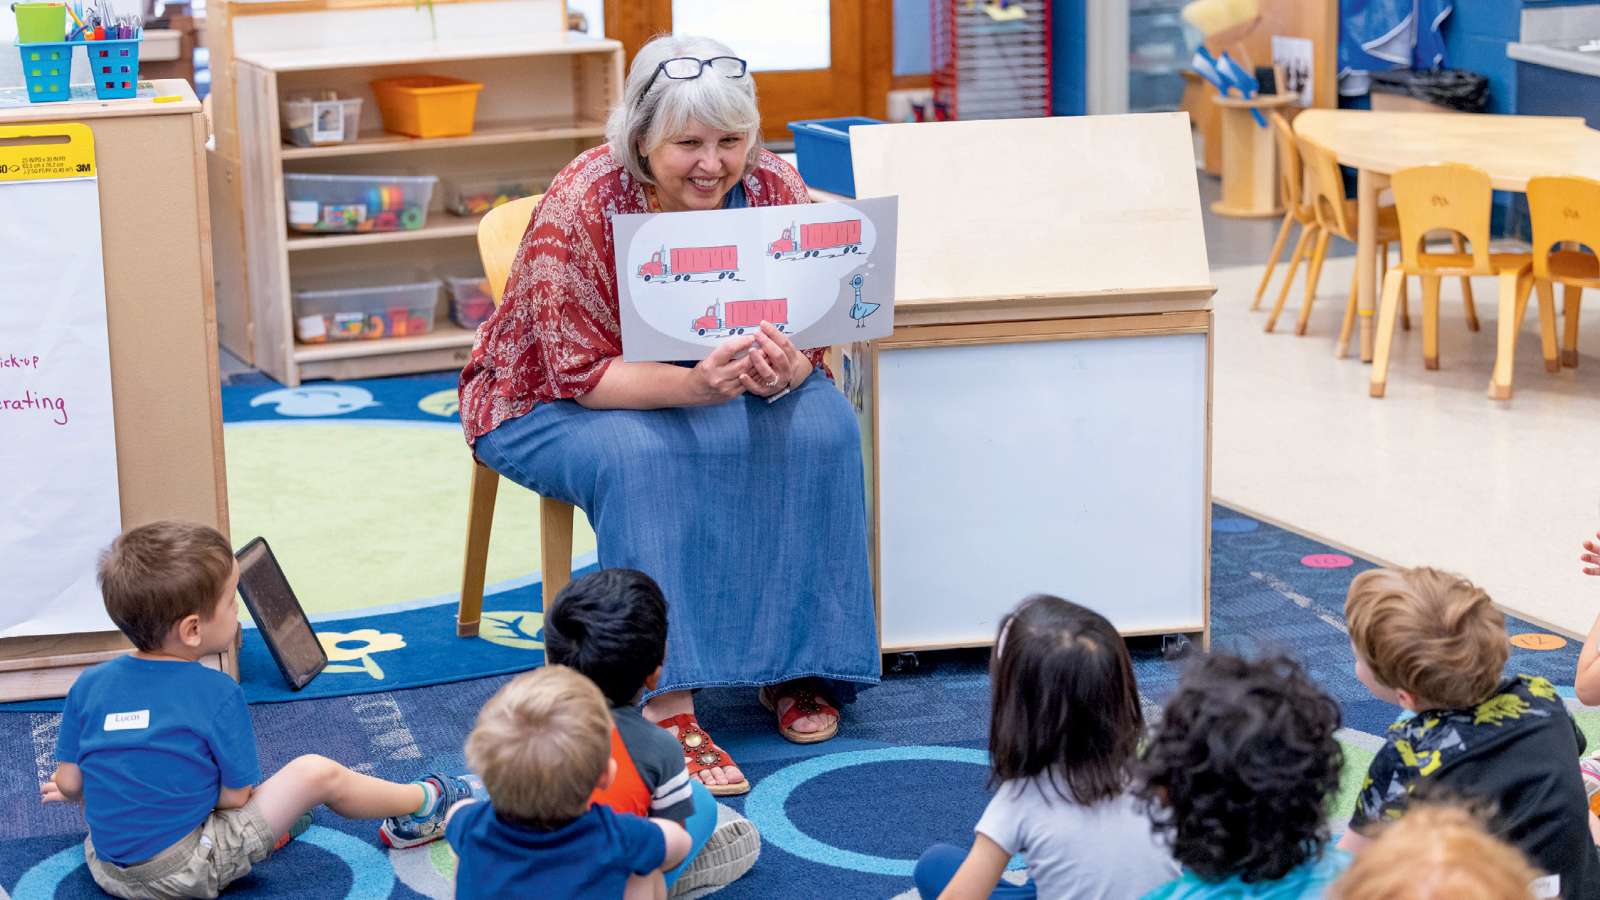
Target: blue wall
{"points": [[1475, 38], [1543, 91], [1069, 57], [1476, 35]]}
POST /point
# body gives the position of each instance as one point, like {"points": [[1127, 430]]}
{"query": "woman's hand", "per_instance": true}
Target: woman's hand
{"points": [[775, 364], [1591, 556], [721, 376]]}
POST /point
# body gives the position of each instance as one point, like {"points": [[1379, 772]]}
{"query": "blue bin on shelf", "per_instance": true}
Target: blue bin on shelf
{"points": [[46, 69], [114, 65], [822, 149]]}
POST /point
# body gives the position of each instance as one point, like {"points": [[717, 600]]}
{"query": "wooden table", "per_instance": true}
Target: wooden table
{"points": [[1249, 157], [1512, 149]]}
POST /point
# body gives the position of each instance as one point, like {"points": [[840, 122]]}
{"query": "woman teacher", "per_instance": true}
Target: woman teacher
{"points": [[736, 482]]}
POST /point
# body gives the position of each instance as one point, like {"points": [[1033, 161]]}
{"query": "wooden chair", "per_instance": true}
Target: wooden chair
{"points": [[1335, 217], [1291, 177], [499, 236], [1456, 198], [1565, 210]]}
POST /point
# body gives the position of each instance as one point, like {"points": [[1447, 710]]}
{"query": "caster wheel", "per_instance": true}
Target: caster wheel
{"points": [[1175, 646], [902, 663]]}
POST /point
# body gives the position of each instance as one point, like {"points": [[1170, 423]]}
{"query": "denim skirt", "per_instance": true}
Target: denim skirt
{"points": [[751, 517]]}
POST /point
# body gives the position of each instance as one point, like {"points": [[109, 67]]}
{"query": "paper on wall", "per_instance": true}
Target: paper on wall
{"points": [[1296, 58], [57, 442], [687, 281]]}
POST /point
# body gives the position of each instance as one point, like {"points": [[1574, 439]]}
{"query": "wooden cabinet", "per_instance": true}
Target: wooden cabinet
{"points": [[163, 342]]}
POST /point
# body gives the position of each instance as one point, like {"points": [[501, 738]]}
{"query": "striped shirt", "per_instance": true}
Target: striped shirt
{"points": [[651, 777]]}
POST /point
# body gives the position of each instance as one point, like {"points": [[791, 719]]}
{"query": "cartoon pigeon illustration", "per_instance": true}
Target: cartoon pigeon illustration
{"points": [[860, 310]]}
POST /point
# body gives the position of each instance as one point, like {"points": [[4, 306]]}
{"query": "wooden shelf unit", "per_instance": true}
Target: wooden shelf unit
{"points": [[440, 225], [482, 136], [544, 101]]}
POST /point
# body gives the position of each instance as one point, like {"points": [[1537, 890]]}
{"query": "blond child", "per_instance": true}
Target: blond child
{"points": [[1437, 852], [542, 745], [1434, 643], [160, 748]]}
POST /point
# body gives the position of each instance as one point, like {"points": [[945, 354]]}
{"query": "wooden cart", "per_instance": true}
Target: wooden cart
{"points": [[1040, 419]]}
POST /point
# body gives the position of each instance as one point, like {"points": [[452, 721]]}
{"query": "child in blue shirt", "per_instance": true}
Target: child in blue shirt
{"points": [[160, 749], [1237, 778], [543, 747]]}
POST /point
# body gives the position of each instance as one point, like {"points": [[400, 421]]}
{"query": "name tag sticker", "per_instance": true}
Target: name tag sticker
{"points": [[1548, 886], [128, 721]]}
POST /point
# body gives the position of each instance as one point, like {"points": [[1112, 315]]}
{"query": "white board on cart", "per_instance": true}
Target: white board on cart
{"points": [[1039, 421]]}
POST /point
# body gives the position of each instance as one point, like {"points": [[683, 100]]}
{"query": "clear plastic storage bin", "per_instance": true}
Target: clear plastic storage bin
{"points": [[332, 203], [308, 121], [376, 306], [476, 195], [470, 301]]}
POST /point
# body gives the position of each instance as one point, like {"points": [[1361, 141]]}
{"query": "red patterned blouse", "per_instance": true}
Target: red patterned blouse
{"points": [[558, 328]]}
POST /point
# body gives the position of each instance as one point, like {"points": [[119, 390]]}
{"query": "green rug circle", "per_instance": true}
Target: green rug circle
{"points": [[365, 513]]}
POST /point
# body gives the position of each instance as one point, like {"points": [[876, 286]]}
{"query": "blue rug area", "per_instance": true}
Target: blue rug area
{"points": [[395, 650], [844, 819]]}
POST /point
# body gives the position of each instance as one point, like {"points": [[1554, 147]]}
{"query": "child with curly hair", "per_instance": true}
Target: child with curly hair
{"points": [[1063, 733], [1437, 851], [1433, 643], [1237, 779]]}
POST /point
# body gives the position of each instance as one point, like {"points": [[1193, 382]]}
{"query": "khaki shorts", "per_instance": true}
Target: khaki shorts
{"points": [[208, 859]]}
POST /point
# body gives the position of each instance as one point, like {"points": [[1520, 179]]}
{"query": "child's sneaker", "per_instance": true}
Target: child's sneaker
{"points": [[401, 832], [728, 854], [298, 828]]}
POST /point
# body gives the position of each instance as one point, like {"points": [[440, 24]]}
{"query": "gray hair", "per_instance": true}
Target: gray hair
{"points": [[638, 125]]}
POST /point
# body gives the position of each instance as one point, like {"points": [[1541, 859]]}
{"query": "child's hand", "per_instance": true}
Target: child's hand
{"points": [[65, 785], [1591, 557], [50, 792]]}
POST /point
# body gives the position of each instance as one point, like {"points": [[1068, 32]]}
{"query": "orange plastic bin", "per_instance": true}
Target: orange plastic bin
{"points": [[427, 106]]}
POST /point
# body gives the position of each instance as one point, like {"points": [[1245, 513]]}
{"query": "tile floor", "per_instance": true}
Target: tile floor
{"points": [[1435, 472]]}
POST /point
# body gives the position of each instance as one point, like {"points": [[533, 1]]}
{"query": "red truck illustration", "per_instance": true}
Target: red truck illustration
{"points": [[683, 263], [739, 316], [818, 237]]}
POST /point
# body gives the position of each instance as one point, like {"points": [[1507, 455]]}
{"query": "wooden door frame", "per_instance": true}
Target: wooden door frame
{"points": [[870, 63]]}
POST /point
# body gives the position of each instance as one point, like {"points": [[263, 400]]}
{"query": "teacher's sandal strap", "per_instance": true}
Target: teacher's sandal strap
{"points": [[701, 753], [807, 702]]}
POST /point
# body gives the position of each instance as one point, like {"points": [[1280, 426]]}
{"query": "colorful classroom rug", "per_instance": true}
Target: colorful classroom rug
{"points": [[845, 819]]}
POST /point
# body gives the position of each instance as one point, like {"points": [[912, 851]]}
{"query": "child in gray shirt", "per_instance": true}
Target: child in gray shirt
{"points": [[1063, 732]]}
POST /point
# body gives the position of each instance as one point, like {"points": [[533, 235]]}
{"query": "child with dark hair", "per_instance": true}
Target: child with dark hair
{"points": [[611, 626], [1064, 729], [1237, 778]]}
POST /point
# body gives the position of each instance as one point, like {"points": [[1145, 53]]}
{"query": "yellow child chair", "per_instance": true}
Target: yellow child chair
{"points": [[499, 236], [1565, 210], [1296, 210], [1335, 217], [1456, 198]]}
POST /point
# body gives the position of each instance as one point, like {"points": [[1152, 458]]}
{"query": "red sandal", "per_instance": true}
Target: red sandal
{"points": [[806, 703], [701, 753]]}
